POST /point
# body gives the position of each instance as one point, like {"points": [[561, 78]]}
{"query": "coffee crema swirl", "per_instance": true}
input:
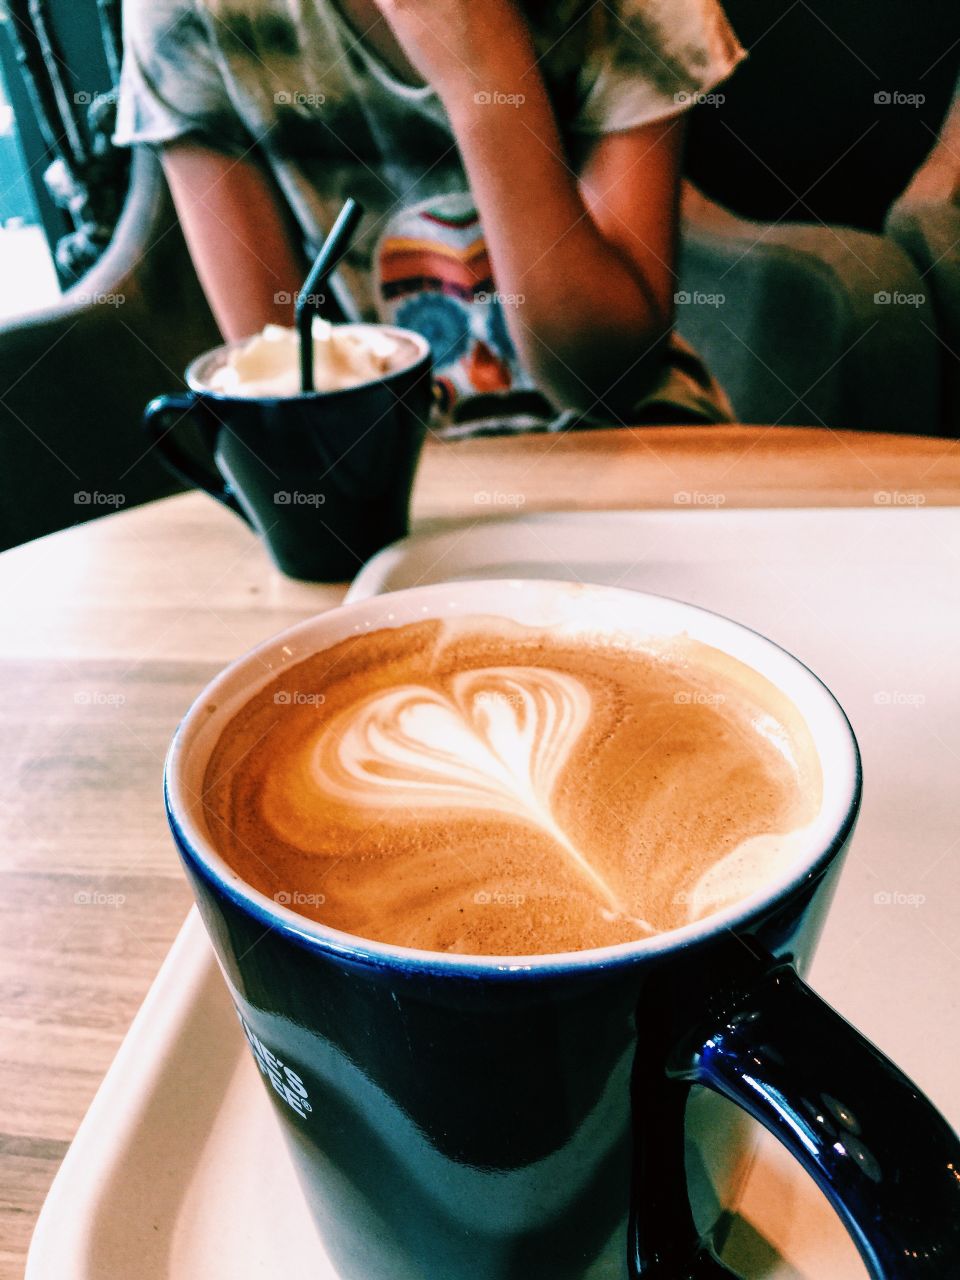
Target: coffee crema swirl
{"points": [[495, 741], [492, 789]]}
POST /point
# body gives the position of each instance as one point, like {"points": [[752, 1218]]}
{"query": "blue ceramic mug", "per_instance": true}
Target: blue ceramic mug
{"points": [[523, 1118], [324, 477]]}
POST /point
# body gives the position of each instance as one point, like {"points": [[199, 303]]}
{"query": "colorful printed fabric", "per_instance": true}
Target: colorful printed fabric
{"points": [[292, 82]]}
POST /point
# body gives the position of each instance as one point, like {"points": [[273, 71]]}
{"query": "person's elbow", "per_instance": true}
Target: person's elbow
{"points": [[602, 375]]}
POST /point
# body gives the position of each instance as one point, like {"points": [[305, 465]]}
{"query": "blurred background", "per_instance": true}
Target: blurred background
{"points": [[26, 263], [819, 272]]}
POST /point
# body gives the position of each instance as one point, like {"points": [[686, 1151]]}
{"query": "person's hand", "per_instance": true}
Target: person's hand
{"points": [[462, 47]]}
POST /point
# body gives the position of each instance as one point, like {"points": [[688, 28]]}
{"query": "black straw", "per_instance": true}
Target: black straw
{"points": [[332, 250]]}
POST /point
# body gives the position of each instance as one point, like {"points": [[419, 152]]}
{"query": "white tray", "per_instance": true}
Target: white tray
{"points": [[178, 1170]]}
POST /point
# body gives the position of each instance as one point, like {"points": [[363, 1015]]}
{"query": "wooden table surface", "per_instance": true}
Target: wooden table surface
{"points": [[111, 628]]}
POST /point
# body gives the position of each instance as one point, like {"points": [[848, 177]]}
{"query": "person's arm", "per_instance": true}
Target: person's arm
{"points": [[588, 263], [239, 235], [937, 181], [591, 259]]}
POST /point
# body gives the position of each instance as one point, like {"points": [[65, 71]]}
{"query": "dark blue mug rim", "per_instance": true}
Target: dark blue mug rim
{"points": [[209, 393], [318, 937]]}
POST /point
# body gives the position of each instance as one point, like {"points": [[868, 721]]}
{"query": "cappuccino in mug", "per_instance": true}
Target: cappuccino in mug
{"points": [[344, 355], [478, 786], [466, 790]]}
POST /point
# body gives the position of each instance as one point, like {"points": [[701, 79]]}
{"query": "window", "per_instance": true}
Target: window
{"points": [[29, 281]]}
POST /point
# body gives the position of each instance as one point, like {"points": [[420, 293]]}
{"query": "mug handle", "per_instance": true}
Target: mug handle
{"points": [[160, 420], [885, 1158]]}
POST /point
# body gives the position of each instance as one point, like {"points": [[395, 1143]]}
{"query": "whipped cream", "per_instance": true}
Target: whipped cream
{"points": [[344, 355]]}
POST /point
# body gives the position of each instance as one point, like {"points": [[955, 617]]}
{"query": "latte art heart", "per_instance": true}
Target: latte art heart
{"points": [[478, 786], [495, 740]]}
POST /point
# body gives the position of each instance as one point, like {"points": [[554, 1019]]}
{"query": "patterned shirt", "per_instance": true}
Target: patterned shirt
{"points": [[292, 82]]}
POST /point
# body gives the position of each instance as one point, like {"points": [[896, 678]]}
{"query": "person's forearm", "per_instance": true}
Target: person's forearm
{"points": [[937, 181], [241, 242], [584, 324]]}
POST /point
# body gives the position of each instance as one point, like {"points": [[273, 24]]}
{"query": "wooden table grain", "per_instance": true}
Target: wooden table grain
{"points": [[108, 631]]}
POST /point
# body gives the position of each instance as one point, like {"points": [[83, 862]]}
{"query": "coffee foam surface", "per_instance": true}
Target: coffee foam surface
{"points": [[344, 355], [488, 788]]}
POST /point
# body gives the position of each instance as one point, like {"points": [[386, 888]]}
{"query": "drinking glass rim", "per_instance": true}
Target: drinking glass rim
{"points": [[832, 828]]}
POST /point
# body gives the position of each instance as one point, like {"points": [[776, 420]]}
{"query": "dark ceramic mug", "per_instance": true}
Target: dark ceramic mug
{"points": [[324, 477], [523, 1118]]}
